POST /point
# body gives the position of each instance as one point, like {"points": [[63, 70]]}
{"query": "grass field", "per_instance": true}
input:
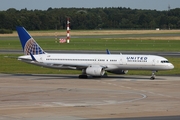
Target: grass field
{"points": [[98, 44], [132, 40], [143, 40], [94, 32]]}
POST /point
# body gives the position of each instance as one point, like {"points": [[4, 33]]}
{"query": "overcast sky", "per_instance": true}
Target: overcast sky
{"points": [[45, 4]]}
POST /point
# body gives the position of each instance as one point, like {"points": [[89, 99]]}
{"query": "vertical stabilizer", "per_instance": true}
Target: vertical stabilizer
{"points": [[29, 45]]}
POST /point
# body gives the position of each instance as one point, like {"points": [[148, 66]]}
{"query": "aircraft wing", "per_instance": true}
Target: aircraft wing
{"points": [[59, 65], [67, 66]]}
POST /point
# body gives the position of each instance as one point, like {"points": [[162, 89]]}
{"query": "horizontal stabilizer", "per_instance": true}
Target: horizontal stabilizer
{"points": [[33, 58]]}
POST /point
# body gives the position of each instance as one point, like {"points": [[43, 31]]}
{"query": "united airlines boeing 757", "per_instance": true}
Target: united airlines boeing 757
{"points": [[90, 64]]}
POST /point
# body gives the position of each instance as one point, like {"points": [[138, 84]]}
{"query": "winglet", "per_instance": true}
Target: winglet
{"points": [[108, 52], [29, 45]]}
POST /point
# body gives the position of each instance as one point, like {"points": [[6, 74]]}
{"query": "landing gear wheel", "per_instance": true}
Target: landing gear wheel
{"points": [[83, 76], [105, 74], [96, 76], [153, 76]]}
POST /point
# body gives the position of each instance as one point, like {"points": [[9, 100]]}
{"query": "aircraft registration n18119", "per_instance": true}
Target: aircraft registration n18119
{"points": [[90, 64]]}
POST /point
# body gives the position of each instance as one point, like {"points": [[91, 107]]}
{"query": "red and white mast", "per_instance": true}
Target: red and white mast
{"points": [[68, 31]]}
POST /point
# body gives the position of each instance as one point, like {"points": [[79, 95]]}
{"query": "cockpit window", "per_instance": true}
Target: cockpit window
{"points": [[164, 61]]}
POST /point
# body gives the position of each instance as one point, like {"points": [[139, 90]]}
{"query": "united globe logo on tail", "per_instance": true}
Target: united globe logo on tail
{"points": [[29, 45], [32, 47]]}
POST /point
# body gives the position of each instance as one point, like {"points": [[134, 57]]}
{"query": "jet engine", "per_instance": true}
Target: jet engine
{"points": [[119, 71], [95, 71]]}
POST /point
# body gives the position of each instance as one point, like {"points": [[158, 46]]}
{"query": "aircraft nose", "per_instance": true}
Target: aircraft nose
{"points": [[171, 66]]}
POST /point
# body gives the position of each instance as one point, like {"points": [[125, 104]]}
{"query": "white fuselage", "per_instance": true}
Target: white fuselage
{"points": [[108, 62]]}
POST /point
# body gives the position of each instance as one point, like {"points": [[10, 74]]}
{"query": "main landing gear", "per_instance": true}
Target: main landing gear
{"points": [[84, 76], [153, 76]]}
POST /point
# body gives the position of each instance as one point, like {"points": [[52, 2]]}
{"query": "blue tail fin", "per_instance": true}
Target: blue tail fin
{"points": [[29, 45]]}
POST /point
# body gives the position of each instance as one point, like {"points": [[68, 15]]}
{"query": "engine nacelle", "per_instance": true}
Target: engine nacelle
{"points": [[95, 71], [119, 71]]}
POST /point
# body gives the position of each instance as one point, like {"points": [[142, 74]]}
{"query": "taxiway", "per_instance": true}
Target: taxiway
{"points": [[44, 97]]}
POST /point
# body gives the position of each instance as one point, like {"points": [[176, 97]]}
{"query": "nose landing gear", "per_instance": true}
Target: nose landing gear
{"points": [[153, 76]]}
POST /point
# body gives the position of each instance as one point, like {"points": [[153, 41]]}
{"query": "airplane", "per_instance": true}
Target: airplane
{"points": [[95, 65]]}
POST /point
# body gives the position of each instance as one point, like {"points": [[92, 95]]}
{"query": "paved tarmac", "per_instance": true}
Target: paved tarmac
{"points": [[44, 97]]}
